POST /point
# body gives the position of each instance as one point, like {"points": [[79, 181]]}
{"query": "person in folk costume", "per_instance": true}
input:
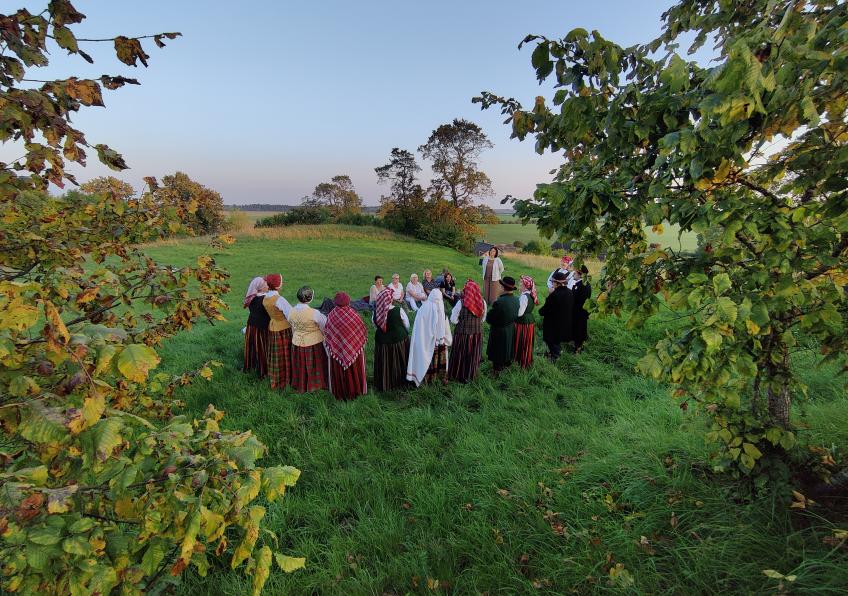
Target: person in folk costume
{"points": [[581, 292], [525, 324], [256, 331], [501, 319], [467, 349], [564, 267], [493, 269], [309, 359], [557, 315], [391, 349], [344, 339], [431, 336], [279, 335]]}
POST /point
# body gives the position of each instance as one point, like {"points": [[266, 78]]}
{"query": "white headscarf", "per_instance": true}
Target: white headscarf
{"points": [[253, 290], [431, 328]]}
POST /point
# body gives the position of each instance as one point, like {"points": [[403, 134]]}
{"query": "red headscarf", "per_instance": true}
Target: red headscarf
{"points": [[382, 308], [274, 281], [529, 284], [344, 335], [565, 262], [472, 299]]}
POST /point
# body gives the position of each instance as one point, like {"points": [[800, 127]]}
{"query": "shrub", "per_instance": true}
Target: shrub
{"points": [[359, 219], [518, 244], [303, 215], [535, 247], [236, 220]]}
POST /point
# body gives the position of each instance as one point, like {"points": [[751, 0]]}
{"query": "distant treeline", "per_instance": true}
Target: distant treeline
{"points": [[287, 208]]}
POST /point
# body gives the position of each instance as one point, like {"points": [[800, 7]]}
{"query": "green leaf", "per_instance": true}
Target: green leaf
{"points": [[752, 450], [289, 564], [727, 308], [44, 536], [136, 360], [65, 39], [23, 385], [711, 337], [76, 545], [675, 75], [276, 479], [105, 437], [721, 283]]}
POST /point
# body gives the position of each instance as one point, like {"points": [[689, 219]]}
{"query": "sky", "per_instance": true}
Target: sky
{"points": [[263, 100]]}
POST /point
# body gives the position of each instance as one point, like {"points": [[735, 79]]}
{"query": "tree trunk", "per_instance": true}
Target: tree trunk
{"points": [[779, 399]]}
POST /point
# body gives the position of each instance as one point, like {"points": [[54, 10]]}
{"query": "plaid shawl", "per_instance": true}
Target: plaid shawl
{"points": [[344, 335], [382, 308], [530, 285], [472, 299]]}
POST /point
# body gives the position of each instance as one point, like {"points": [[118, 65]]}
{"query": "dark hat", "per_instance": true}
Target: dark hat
{"points": [[508, 284], [559, 277]]}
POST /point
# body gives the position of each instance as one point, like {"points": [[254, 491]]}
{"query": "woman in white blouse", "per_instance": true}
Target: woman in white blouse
{"points": [[415, 295], [493, 269]]}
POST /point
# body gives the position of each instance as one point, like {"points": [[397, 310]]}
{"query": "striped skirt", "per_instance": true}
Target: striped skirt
{"points": [[525, 333], [309, 368], [350, 383], [256, 350], [465, 357], [438, 366], [280, 358], [390, 362]]}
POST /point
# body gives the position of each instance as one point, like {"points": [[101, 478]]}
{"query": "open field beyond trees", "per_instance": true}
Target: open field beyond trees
{"points": [[539, 480]]}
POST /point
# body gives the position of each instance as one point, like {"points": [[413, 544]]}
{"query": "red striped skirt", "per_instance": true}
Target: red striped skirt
{"points": [[256, 350], [438, 365], [525, 333], [309, 368], [280, 358], [350, 383], [466, 354]]}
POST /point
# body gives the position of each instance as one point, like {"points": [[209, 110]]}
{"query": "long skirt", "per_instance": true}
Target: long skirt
{"points": [[256, 350], [491, 291], [465, 357], [525, 333], [348, 383], [438, 366], [390, 362], [310, 370], [280, 358]]}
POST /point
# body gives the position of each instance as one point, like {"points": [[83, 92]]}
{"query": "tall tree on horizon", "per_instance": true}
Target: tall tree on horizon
{"points": [[400, 173], [454, 149], [338, 195]]}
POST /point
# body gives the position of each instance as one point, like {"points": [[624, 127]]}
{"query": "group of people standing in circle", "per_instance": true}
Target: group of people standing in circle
{"points": [[311, 350]]}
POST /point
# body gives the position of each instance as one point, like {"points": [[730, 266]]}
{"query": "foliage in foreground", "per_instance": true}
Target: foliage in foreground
{"points": [[651, 140], [101, 486]]}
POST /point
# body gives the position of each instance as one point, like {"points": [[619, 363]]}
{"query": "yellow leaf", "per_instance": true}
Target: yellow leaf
{"points": [[213, 524], [289, 564], [206, 372], [125, 508], [190, 536], [262, 570], [136, 360], [753, 328]]}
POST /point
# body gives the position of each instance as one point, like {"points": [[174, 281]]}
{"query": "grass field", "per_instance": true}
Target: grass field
{"points": [[510, 230], [539, 481]]}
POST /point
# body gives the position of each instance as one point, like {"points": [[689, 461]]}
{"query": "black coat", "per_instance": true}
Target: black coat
{"points": [[558, 315], [582, 291]]}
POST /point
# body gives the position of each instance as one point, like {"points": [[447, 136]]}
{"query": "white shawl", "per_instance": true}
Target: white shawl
{"points": [[431, 328]]}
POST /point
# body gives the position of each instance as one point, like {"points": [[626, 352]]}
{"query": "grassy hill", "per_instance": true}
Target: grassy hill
{"points": [[538, 480]]}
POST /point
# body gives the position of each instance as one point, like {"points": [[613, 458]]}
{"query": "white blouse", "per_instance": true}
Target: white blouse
{"points": [[457, 308], [415, 291], [317, 315]]}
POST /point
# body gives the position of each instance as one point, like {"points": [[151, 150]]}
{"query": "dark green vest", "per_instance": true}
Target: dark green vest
{"points": [[527, 318], [395, 331]]}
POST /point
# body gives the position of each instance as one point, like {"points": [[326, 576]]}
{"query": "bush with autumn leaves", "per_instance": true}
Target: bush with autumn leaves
{"points": [[101, 485]]}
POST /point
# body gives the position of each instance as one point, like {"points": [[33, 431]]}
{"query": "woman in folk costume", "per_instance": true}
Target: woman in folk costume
{"points": [[501, 319], [431, 336], [493, 269], [309, 359], [581, 292], [279, 334], [391, 349], [564, 267], [467, 349], [344, 339], [525, 324], [256, 332]]}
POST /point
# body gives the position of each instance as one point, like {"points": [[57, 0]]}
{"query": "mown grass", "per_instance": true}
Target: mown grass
{"points": [[539, 480]]}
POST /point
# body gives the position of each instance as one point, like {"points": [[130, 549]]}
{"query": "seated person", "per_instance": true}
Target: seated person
{"points": [[397, 290], [415, 295], [376, 289], [428, 282], [448, 287]]}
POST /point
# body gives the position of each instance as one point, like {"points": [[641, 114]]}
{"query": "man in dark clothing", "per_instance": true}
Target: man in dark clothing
{"points": [[501, 319], [581, 292], [558, 316]]}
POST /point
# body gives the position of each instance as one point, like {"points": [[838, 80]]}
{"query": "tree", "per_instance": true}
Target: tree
{"points": [[454, 149], [338, 195], [179, 190], [104, 489], [400, 173], [751, 149], [108, 184]]}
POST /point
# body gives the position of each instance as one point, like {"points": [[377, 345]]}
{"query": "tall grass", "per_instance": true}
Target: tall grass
{"points": [[537, 481]]}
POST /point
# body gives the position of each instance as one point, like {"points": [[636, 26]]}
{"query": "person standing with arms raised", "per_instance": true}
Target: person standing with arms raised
{"points": [[310, 368], [501, 319], [493, 269]]}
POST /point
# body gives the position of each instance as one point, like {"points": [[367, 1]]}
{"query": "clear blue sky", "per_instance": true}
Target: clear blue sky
{"points": [[262, 100]]}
